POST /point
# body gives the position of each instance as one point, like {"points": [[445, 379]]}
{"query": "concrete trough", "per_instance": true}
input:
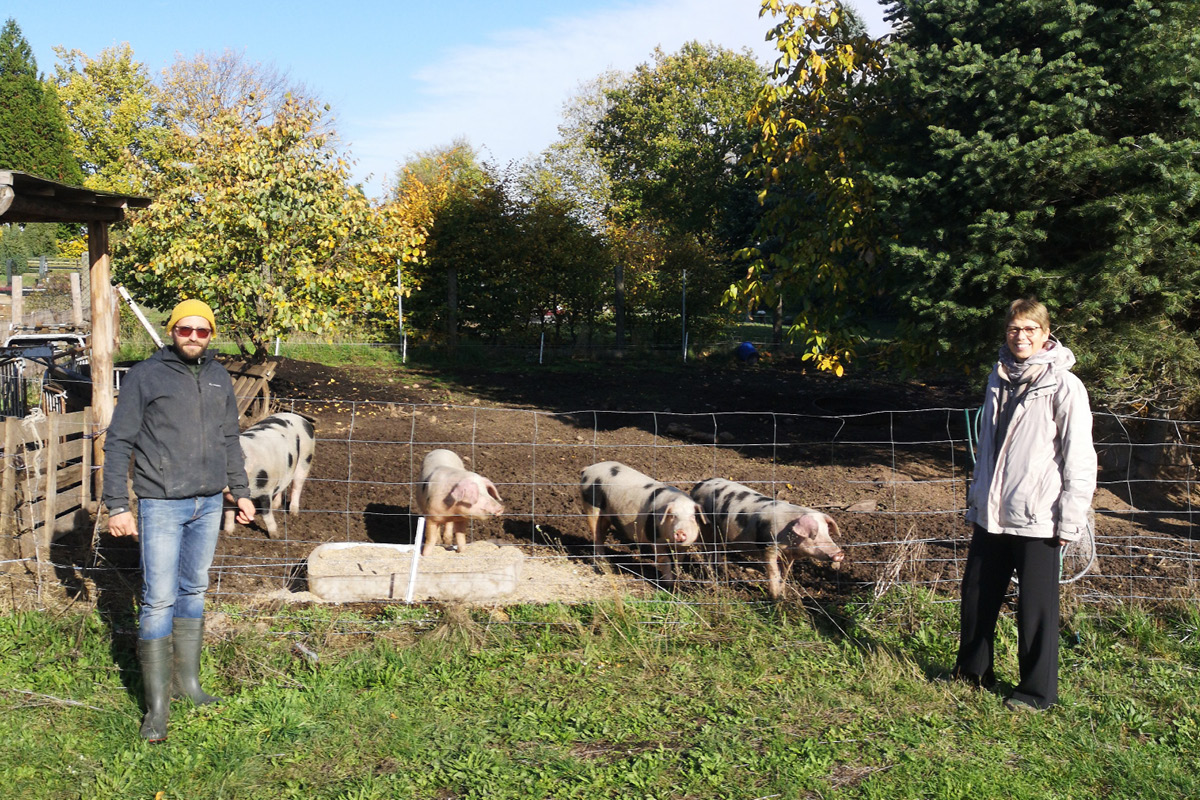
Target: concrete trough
{"points": [[348, 572]]}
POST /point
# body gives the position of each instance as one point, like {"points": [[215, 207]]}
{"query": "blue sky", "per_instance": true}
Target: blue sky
{"points": [[409, 75]]}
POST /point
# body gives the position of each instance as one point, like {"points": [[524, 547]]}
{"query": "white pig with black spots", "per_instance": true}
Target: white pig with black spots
{"points": [[278, 453], [641, 509], [748, 526]]}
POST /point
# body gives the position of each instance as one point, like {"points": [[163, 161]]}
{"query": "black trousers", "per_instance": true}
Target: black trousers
{"points": [[991, 561]]}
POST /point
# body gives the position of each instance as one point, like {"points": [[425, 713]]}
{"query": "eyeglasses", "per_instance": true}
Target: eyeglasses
{"points": [[186, 332], [1029, 330]]}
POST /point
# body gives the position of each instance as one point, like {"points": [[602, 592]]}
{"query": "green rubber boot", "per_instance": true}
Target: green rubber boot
{"points": [[154, 655], [189, 639]]}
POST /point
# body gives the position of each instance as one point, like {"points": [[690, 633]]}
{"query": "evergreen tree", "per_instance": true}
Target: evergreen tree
{"points": [[1036, 147], [33, 128]]}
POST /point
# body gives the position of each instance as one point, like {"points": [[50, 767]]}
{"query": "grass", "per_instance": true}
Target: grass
{"points": [[653, 699]]}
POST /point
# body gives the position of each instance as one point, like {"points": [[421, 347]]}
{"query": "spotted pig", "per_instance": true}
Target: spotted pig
{"points": [[748, 526], [641, 509], [278, 453]]}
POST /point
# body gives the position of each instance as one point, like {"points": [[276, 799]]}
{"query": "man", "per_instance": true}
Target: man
{"points": [[177, 416]]}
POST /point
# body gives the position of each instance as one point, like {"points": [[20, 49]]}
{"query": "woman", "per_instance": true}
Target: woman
{"points": [[1035, 473]]}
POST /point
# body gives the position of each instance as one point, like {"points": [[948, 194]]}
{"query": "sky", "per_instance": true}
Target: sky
{"points": [[406, 76]]}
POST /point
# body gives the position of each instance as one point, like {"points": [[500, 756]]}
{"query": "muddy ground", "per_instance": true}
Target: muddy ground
{"points": [[888, 460]]}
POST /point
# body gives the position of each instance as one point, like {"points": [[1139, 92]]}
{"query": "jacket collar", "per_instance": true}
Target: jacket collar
{"points": [[168, 355]]}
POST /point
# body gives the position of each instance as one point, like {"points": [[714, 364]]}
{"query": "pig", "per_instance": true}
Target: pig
{"points": [[448, 495], [642, 509], [278, 452], [744, 521]]}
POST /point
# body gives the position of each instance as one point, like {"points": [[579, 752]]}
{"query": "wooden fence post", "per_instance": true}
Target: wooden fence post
{"points": [[50, 465], [85, 485], [76, 300], [26, 539], [8, 492], [18, 301]]}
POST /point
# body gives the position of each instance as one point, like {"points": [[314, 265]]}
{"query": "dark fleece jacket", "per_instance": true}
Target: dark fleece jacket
{"points": [[180, 426]]}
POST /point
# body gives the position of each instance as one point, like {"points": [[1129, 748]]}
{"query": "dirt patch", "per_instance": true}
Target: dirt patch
{"points": [[889, 461]]}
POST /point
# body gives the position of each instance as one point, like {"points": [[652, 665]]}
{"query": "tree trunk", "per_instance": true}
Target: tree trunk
{"points": [[619, 302], [452, 310], [777, 328]]}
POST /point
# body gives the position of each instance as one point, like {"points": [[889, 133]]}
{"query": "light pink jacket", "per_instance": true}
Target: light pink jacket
{"points": [[1040, 481]]}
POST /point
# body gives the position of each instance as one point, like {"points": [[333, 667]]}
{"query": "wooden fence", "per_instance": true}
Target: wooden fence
{"points": [[45, 482]]}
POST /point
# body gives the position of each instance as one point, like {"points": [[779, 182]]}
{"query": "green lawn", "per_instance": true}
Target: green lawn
{"points": [[649, 699]]}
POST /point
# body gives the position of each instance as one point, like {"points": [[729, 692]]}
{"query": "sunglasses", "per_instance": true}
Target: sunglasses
{"points": [[186, 332]]}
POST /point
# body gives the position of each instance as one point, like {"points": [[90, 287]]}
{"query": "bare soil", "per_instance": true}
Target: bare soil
{"points": [[888, 460]]}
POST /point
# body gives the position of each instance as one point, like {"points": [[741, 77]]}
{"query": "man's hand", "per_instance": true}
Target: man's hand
{"points": [[246, 511], [123, 524]]}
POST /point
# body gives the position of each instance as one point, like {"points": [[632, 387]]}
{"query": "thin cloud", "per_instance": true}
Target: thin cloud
{"points": [[506, 96]]}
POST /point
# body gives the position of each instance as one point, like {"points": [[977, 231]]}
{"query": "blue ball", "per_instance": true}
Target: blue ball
{"points": [[746, 352]]}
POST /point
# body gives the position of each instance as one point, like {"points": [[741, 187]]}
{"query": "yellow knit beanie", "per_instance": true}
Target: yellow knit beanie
{"points": [[192, 308]]}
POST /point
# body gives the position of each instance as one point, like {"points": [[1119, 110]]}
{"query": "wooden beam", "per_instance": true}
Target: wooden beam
{"points": [[24, 208], [28, 198], [104, 337]]}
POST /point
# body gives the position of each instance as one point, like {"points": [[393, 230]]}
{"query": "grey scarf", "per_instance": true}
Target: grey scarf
{"points": [[1015, 379]]}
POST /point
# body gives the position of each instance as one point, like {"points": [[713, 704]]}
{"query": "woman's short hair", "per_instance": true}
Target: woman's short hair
{"points": [[1028, 308]]}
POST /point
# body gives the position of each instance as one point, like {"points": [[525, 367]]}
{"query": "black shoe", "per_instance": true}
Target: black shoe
{"points": [[985, 681], [1013, 704]]}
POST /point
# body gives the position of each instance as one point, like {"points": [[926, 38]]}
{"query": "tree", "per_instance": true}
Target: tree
{"points": [[569, 264], [815, 243], [19, 244], [259, 221], [570, 171], [117, 117], [499, 263], [209, 87], [456, 167], [439, 182], [670, 139], [35, 137], [1049, 149]]}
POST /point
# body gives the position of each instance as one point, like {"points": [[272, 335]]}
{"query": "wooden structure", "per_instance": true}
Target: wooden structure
{"points": [[251, 387], [16, 306], [28, 198], [45, 484]]}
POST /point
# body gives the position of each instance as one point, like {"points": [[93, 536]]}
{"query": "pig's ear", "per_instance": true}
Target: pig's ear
{"points": [[832, 525], [491, 489], [807, 526], [464, 492]]}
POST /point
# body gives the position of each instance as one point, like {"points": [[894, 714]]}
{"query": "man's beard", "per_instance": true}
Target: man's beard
{"points": [[181, 350]]}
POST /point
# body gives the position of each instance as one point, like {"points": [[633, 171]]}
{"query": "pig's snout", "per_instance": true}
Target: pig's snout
{"points": [[838, 559], [685, 536], [485, 508]]}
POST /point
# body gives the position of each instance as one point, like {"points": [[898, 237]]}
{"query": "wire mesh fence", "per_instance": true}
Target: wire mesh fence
{"points": [[894, 481]]}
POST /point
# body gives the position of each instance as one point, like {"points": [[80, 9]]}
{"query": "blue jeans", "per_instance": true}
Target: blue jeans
{"points": [[177, 539]]}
